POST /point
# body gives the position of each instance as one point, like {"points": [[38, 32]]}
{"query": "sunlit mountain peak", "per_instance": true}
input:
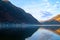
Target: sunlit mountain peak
{"points": [[57, 18]]}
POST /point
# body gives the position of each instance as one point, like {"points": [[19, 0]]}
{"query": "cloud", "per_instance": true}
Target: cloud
{"points": [[39, 8]]}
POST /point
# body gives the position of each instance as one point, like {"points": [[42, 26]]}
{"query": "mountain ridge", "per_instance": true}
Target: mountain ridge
{"points": [[52, 22], [17, 14], [10, 14]]}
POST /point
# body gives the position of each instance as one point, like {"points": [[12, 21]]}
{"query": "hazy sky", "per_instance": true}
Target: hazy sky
{"points": [[40, 9]]}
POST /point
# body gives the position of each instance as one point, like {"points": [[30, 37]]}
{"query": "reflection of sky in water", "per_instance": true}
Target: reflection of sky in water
{"points": [[43, 34]]}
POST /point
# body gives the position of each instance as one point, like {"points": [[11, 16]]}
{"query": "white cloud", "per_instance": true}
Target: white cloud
{"points": [[36, 9]]}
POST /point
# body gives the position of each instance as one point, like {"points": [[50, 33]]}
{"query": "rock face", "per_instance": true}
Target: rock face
{"points": [[54, 21], [12, 14]]}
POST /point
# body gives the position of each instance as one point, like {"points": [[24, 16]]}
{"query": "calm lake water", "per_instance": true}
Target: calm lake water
{"points": [[43, 34]]}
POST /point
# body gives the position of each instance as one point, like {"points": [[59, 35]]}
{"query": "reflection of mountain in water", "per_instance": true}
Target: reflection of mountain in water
{"points": [[43, 34], [53, 21], [12, 14]]}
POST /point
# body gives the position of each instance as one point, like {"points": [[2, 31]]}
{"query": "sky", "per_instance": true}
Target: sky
{"points": [[42, 10]]}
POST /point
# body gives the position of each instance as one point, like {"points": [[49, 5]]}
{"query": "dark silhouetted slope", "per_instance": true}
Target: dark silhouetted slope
{"points": [[12, 14]]}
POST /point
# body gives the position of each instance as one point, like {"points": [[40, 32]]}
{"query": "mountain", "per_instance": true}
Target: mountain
{"points": [[5, 0], [10, 14], [54, 21], [57, 18], [13, 14]]}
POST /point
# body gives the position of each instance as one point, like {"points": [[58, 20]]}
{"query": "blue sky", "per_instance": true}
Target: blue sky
{"points": [[40, 9]]}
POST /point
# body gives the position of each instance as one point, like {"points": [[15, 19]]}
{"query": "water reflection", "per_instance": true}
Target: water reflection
{"points": [[44, 34]]}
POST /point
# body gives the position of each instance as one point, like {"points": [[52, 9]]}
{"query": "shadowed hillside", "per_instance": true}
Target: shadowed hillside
{"points": [[12, 14]]}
